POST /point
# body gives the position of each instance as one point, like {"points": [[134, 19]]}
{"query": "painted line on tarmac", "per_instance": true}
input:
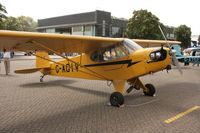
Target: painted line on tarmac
{"points": [[181, 114]]}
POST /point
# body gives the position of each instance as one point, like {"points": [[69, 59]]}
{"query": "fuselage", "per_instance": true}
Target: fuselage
{"points": [[117, 62]]}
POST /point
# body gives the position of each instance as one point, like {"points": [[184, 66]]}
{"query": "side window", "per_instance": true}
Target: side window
{"points": [[106, 55], [121, 51], [110, 53]]}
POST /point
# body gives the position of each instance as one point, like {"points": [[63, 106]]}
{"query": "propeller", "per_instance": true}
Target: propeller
{"points": [[172, 52]]}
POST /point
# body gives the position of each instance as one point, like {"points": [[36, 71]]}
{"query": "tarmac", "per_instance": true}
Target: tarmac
{"points": [[67, 105]]}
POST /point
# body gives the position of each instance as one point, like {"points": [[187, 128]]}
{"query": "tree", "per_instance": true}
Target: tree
{"points": [[11, 23], [144, 25], [26, 23], [183, 34], [2, 14], [21, 23]]}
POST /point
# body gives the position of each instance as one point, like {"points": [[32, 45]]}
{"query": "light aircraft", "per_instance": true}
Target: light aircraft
{"points": [[192, 55], [116, 60]]}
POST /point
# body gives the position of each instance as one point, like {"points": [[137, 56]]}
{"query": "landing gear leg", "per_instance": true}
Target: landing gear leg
{"points": [[148, 89], [133, 85], [130, 89]]}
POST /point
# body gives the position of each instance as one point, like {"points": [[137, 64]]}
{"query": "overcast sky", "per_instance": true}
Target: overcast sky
{"points": [[170, 12]]}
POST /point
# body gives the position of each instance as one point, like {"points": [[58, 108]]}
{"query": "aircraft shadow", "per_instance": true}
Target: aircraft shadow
{"points": [[88, 91], [47, 83], [183, 67], [138, 98], [65, 84]]}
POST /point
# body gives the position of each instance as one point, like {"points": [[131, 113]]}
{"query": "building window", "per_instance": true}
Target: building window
{"points": [[171, 36], [78, 29], [115, 31], [50, 30], [83, 30], [88, 28]]}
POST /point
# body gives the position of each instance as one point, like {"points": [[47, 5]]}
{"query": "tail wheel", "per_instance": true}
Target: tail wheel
{"points": [[150, 90], [116, 99], [41, 78]]}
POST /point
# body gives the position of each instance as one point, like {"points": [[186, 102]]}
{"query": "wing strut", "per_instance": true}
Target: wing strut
{"points": [[57, 53]]}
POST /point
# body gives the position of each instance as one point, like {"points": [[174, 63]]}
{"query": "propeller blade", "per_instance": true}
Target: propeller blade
{"points": [[175, 61], [164, 36]]}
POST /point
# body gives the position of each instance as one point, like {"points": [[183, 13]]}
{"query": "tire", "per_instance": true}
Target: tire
{"points": [[151, 90], [116, 99]]}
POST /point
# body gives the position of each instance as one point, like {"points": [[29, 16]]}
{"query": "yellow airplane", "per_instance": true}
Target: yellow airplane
{"points": [[116, 60]]}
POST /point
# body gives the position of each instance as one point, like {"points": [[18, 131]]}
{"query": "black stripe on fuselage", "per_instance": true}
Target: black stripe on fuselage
{"points": [[128, 62]]}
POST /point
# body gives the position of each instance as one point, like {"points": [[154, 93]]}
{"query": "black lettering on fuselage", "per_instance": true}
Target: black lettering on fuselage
{"points": [[63, 68], [71, 67]]}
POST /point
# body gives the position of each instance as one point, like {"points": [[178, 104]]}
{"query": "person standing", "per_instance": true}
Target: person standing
{"points": [[1, 57], [6, 58]]}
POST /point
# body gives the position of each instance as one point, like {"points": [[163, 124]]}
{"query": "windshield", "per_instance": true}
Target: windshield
{"points": [[131, 45]]}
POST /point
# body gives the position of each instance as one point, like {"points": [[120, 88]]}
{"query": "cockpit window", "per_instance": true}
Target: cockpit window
{"points": [[116, 51], [131, 45]]}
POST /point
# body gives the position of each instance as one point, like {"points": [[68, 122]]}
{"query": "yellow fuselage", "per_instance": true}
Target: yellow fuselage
{"points": [[136, 64]]}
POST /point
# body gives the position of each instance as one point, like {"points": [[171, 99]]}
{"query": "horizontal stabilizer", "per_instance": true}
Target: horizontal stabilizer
{"points": [[30, 70]]}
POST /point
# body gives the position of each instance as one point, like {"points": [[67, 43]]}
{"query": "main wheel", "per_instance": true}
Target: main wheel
{"points": [[116, 99], [150, 90]]}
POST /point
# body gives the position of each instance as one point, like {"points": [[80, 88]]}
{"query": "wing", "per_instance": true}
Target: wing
{"points": [[31, 41], [154, 43]]}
